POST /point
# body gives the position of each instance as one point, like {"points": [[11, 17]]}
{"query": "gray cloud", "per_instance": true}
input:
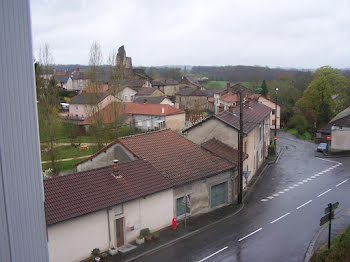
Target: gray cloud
{"points": [[283, 33]]}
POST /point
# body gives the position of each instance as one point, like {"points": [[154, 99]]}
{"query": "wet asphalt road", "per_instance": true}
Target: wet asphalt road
{"points": [[281, 215]]}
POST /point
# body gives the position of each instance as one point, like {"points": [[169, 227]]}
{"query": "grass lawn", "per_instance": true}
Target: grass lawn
{"points": [[215, 84], [69, 152], [340, 249], [64, 165]]}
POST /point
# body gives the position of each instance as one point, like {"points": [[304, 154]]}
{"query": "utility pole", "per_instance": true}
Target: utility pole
{"points": [[240, 148], [275, 119]]}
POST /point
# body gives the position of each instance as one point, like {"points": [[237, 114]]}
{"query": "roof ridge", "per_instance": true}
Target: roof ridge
{"points": [[145, 133]]}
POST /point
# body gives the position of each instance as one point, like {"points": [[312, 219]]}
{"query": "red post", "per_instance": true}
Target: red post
{"points": [[174, 223]]}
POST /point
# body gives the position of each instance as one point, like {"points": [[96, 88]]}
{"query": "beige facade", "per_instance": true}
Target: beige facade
{"points": [[273, 114], [255, 144], [175, 122], [82, 111], [127, 94], [157, 92], [74, 239], [191, 102], [340, 139], [170, 90]]}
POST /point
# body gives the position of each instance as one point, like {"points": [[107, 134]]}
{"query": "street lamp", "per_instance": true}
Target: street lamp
{"points": [[275, 118]]}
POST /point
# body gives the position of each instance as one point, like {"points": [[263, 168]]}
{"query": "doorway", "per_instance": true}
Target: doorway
{"points": [[119, 226]]}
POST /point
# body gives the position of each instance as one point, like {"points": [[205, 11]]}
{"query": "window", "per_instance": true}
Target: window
{"points": [[260, 133], [131, 98], [125, 98], [180, 207], [139, 123], [273, 122], [76, 107], [218, 194], [148, 123], [273, 111]]}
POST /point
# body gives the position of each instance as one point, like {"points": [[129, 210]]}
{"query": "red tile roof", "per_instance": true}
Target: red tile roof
{"points": [[177, 158], [230, 98], [151, 109], [84, 192], [222, 150], [146, 91]]}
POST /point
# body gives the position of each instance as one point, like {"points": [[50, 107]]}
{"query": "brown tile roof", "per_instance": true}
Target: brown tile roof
{"points": [[80, 193], [151, 109], [91, 89], [177, 158], [138, 83], [146, 91], [222, 150], [88, 98], [252, 116], [149, 99], [106, 115]]}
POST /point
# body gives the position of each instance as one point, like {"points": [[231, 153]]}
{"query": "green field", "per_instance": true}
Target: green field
{"points": [[64, 152], [64, 165]]}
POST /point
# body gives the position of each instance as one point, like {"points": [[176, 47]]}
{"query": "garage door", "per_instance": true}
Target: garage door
{"points": [[218, 194]]}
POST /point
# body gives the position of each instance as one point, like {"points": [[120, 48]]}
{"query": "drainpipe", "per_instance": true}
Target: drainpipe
{"points": [[109, 229]]}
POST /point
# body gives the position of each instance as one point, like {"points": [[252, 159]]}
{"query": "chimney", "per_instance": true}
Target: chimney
{"points": [[228, 86], [162, 110], [231, 109], [115, 168], [221, 108], [246, 103], [268, 96], [145, 101]]}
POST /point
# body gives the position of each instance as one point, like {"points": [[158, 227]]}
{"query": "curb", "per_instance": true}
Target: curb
{"points": [[174, 241]]}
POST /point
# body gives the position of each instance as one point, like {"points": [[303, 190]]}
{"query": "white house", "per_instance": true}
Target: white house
{"points": [[340, 131]]}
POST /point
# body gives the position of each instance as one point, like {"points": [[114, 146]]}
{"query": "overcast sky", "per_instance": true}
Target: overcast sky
{"points": [[302, 34]]}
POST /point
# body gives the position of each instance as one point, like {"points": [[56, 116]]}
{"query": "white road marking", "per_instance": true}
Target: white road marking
{"points": [[275, 195], [270, 197], [313, 176], [239, 240], [280, 192], [342, 182], [331, 168], [330, 161], [291, 187], [305, 181], [309, 179], [287, 189], [279, 218], [317, 175], [300, 183], [264, 200], [295, 185], [324, 192], [304, 204], [222, 249]]}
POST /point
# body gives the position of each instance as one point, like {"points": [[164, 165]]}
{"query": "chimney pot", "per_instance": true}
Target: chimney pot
{"points": [[115, 167], [231, 109]]}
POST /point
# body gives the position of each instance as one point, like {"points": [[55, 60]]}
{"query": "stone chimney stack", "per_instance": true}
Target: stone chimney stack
{"points": [[231, 109], [115, 168], [228, 87], [246, 103]]}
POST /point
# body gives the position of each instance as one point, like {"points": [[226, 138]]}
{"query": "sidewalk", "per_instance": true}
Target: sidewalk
{"points": [[339, 224], [195, 224]]}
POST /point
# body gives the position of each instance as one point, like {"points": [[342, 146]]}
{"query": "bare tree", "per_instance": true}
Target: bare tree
{"points": [[48, 107]]}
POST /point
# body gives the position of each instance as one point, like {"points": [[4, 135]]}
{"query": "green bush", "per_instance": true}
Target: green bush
{"points": [[104, 255], [299, 122], [95, 252], [145, 232], [272, 149]]}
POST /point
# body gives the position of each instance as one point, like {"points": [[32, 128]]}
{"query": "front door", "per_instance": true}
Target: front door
{"points": [[120, 232]]}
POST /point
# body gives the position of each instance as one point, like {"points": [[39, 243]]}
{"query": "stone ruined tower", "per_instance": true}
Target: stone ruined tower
{"points": [[125, 61]]}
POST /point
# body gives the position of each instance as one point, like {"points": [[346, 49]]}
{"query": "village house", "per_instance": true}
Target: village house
{"points": [[192, 170], [155, 116], [149, 91], [191, 99], [224, 127], [340, 131], [79, 80], [154, 100], [267, 102], [168, 86], [191, 80], [64, 81], [86, 104], [104, 208]]}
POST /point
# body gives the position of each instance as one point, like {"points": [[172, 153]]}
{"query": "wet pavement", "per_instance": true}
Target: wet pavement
{"points": [[280, 217]]}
